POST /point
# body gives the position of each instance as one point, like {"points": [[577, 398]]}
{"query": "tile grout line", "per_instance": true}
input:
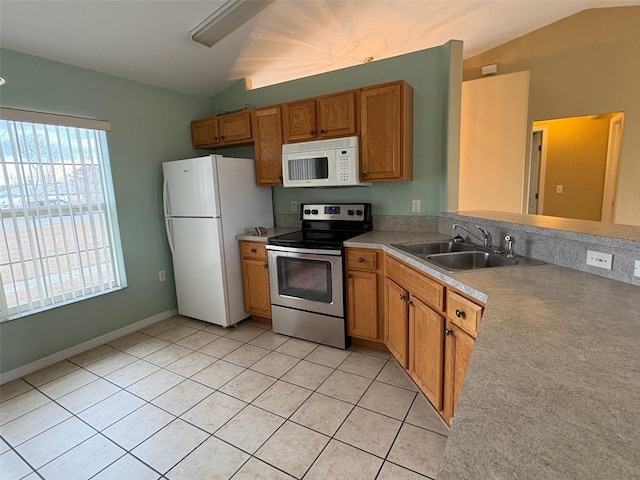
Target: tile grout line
{"points": [[214, 390]]}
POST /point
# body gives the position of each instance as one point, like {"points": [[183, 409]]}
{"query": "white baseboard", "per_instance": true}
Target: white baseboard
{"points": [[83, 347]]}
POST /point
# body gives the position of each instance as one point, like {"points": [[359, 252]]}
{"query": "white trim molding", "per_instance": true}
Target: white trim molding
{"points": [[83, 347]]}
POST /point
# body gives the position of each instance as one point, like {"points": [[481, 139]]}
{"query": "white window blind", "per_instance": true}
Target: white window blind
{"points": [[58, 241]]}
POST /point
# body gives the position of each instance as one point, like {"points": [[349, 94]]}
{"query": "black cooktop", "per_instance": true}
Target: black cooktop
{"points": [[327, 226]]}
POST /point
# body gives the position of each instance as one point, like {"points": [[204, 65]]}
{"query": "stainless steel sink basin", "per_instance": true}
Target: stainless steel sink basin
{"points": [[474, 260], [425, 249], [461, 257]]}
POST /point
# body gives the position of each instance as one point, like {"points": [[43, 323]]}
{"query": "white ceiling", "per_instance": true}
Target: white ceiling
{"points": [[148, 40]]}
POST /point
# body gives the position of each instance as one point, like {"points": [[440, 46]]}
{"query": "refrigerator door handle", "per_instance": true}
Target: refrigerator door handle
{"points": [[167, 223], [165, 197]]}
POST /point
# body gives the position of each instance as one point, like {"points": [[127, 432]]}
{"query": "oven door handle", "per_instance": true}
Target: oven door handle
{"points": [[313, 251]]}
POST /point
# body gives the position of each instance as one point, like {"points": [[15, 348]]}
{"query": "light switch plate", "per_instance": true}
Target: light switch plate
{"points": [[415, 206], [599, 259], [636, 270], [294, 206]]}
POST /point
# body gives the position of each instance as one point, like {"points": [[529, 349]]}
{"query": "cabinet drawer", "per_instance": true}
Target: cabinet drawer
{"points": [[362, 259], [463, 313], [253, 250], [419, 284]]}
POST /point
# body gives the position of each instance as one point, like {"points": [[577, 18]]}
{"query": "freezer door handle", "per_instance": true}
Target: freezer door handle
{"points": [[165, 197], [167, 223]]}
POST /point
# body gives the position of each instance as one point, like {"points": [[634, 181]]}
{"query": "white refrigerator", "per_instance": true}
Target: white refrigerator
{"points": [[208, 201]]}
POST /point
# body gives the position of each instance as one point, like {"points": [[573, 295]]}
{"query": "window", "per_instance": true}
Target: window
{"points": [[59, 240]]}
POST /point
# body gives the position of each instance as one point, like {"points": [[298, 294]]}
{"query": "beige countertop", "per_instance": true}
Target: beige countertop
{"points": [[553, 386], [271, 232]]}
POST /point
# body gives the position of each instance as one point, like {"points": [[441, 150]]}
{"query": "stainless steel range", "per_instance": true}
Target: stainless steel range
{"points": [[306, 272]]}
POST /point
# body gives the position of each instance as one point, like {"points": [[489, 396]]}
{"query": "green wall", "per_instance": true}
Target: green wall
{"points": [[149, 125], [428, 72]]}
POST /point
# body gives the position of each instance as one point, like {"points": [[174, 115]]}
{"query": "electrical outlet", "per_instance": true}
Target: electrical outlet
{"points": [[559, 188], [415, 206], [636, 270], [294, 206], [599, 259], [162, 276]]}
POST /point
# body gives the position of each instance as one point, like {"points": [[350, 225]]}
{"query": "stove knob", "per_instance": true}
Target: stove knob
{"points": [[358, 212], [349, 212], [314, 212], [307, 212]]}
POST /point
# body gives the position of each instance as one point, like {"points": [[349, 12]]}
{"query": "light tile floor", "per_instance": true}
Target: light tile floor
{"points": [[184, 399]]}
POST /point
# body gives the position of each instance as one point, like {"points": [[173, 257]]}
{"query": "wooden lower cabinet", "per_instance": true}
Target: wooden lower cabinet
{"points": [[430, 330], [364, 287], [459, 346], [396, 336], [255, 279], [426, 350], [362, 314]]}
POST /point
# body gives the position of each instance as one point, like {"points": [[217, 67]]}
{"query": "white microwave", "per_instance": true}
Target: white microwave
{"points": [[322, 163]]}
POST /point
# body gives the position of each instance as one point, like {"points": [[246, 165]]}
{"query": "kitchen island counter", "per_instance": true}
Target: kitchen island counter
{"points": [[553, 386]]}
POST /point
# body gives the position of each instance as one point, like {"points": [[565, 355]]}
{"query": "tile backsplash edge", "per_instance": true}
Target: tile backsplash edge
{"points": [[568, 249]]}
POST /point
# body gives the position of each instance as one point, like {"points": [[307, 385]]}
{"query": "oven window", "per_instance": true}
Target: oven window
{"points": [[305, 279], [308, 168]]}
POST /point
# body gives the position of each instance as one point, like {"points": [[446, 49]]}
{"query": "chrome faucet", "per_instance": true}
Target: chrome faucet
{"points": [[511, 243], [486, 236]]}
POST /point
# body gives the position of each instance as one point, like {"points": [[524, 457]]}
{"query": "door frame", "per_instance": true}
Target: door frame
{"points": [[614, 144], [544, 131]]}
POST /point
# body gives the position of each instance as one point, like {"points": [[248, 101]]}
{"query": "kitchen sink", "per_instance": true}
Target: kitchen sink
{"points": [[425, 249], [461, 257]]}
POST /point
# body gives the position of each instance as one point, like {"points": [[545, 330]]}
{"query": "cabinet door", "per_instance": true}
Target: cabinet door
{"points": [[337, 115], [267, 132], [255, 277], [426, 350], [458, 348], [362, 304], [204, 133], [396, 336], [299, 121], [386, 147], [235, 127]]}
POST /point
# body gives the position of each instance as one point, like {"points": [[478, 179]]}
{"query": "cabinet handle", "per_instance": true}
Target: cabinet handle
{"points": [[348, 275], [447, 332], [312, 132], [322, 132], [460, 314], [215, 138], [221, 137], [253, 250], [279, 177], [363, 174], [401, 297], [360, 260], [265, 265], [409, 302]]}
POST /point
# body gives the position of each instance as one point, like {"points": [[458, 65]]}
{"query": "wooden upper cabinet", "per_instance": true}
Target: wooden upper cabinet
{"points": [[321, 117], [228, 129], [300, 121], [337, 115], [386, 143], [235, 127], [204, 133], [267, 132]]}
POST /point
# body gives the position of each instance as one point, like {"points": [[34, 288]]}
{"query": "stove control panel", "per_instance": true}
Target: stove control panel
{"points": [[356, 212]]}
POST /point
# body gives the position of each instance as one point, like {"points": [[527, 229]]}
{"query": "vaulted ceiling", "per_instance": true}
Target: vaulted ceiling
{"points": [[148, 40]]}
